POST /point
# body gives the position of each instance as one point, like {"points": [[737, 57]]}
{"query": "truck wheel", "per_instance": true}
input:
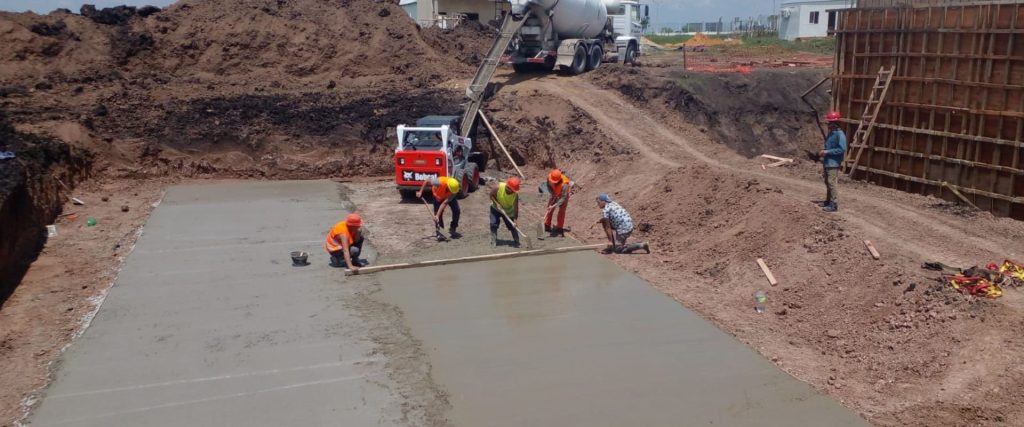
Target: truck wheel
{"points": [[596, 55], [631, 54], [523, 68], [407, 194], [579, 61]]}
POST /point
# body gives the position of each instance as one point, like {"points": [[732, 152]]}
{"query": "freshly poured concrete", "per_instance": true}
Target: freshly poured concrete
{"points": [[573, 340], [209, 324]]}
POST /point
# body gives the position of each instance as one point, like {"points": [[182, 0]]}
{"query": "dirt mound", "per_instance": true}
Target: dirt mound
{"points": [[30, 196], [468, 42], [756, 113]]}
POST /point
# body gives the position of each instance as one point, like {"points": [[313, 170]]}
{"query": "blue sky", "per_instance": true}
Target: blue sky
{"points": [[671, 13]]}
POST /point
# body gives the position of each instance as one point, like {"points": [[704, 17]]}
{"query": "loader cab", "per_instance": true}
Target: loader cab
{"points": [[431, 149]]}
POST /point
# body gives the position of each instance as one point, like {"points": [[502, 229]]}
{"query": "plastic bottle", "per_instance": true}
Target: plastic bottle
{"points": [[90, 222], [760, 301]]}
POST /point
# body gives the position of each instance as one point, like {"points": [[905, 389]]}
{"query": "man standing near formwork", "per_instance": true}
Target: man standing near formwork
{"points": [[618, 226], [559, 186], [506, 198], [832, 160]]}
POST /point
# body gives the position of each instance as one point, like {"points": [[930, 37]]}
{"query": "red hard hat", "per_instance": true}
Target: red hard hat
{"points": [[555, 176], [354, 220], [833, 116], [513, 184]]}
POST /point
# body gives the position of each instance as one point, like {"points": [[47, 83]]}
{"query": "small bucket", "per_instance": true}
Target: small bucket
{"points": [[300, 258]]}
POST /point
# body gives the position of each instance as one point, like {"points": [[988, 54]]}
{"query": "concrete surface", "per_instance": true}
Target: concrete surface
{"points": [[574, 340], [208, 323]]}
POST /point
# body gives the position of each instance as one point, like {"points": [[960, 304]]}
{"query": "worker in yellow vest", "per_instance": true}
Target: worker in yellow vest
{"points": [[345, 242], [446, 192], [505, 207]]}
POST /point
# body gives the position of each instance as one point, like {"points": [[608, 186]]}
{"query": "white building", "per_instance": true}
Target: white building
{"points": [[449, 13], [410, 7], [808, 18]]}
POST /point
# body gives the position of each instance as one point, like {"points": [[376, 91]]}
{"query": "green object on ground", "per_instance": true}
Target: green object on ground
{"points": [[90, 222]]}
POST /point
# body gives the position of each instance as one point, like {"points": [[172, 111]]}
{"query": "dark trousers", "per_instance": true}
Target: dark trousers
{"points": [[338, 258], [496, 217], [454, 206]]}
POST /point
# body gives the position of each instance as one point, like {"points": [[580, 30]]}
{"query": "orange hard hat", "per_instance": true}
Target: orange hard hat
{"points": [[354, 220], [555, 176], [833, 116], [513, 184]]}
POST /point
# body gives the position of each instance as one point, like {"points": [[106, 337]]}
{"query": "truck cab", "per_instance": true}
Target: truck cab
{"points": [[432, 148]]}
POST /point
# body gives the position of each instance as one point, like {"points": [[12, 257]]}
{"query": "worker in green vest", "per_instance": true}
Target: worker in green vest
{"points": [[505, 207]]}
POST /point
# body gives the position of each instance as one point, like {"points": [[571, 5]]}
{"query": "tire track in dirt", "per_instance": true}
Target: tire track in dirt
{"points": [[871, 215]]}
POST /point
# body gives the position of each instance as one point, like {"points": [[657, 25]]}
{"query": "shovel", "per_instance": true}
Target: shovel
{"points": [[437, 227], [529, 241]]}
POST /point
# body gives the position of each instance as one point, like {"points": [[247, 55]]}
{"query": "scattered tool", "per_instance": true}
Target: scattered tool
{"points": [[767, 272], [503, 255], [437, 227], [779, 161], [529, 241], [871, 248]]}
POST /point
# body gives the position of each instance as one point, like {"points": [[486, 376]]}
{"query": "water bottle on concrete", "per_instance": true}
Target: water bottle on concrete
{"points": [[760, 301]]}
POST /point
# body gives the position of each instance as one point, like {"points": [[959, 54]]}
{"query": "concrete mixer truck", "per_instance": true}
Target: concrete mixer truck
{"points": [[575, 35]]}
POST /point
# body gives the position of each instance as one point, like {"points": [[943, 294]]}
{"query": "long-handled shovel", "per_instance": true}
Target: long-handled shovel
{"points": [[529, 241], [437, 227]]}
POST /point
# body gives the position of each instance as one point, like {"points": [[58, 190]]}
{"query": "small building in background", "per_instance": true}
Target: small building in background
{"points": [[450, 13], [808, 18], [410, 7]]}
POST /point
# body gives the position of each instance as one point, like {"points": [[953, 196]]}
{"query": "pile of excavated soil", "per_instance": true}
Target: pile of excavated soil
{"points": [[756, 113], [468, 42]]}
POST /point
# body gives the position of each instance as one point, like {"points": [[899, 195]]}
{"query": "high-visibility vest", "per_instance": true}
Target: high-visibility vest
{"points": [[441, 191], [338, 232], [556, 190], [506, 199]]}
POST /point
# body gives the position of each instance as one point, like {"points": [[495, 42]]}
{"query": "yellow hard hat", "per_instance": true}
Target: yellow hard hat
{"points": [[453, 185]]}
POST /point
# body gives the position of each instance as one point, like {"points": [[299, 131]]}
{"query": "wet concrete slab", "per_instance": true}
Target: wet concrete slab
{"points": [[572, 339], [208, 323]]}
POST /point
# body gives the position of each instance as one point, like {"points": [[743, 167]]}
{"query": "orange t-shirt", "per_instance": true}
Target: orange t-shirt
{"points": [[333, 242], [441, 191]]}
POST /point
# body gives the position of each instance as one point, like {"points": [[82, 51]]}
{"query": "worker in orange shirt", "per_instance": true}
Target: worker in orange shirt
{"points": [[446, 192], [345, 242], [558, 186]]}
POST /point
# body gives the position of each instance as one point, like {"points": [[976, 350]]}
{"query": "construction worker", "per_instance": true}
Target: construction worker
{"points": [[446, 192], [559, 186], [618, 226], [832, 159], [506, 198], [345, 242]]}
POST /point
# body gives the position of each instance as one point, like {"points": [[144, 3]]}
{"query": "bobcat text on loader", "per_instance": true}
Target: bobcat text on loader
{"points": [[431, 149]]}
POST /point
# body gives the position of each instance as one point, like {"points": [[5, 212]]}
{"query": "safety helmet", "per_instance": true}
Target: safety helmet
{"points": [[453, 185], [513, 184], [555, 176], [833, 116], [354, 220]]}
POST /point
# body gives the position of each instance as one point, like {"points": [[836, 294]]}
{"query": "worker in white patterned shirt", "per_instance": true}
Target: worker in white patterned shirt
{"points": [[618, 226]]}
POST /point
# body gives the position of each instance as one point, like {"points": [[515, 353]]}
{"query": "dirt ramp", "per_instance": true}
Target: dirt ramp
{"points": [[756, 113]]}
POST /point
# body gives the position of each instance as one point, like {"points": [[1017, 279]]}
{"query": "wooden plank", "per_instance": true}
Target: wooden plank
{"points": [[776, 158], [933, 80], [953, 189], [944, 134], [940, 184], [915, 154], [496, 138], [767, 273], [475, 258], [872, 250]]}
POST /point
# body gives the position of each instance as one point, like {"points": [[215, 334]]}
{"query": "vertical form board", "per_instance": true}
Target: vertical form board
{"points": [[954, 114]]}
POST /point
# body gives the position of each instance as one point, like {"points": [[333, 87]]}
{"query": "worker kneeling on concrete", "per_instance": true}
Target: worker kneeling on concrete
{"points": [[446, 192], [618, 226], [345, 242], [505, 207], [559, 186]]}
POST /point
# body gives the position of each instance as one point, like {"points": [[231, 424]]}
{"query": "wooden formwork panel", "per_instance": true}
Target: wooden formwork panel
{"points": [[954, 113]]}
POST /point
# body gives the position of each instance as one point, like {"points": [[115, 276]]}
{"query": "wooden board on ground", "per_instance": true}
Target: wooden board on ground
{"points": [[871, 248], [489, 257], [767, 272]]}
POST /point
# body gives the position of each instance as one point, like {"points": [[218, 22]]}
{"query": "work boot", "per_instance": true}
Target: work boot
{"points": [[454, 234], [494, 238], [547, 228], [515, 244], [557, 232], [821, 203], [832, 207]]}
